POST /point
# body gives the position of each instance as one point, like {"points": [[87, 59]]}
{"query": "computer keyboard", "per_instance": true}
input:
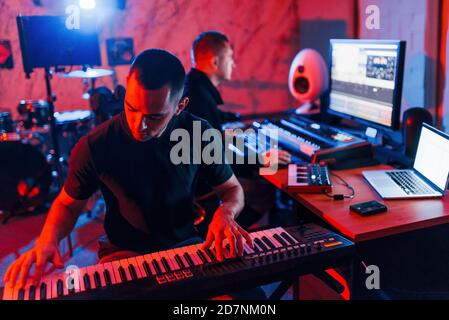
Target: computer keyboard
{"points": [[409, 183]]}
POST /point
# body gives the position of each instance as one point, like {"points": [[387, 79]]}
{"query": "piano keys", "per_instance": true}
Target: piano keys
{"points": [[149, 275]]}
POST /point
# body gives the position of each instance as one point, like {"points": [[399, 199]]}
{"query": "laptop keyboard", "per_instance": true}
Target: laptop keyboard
{"points": [[409, 182]]}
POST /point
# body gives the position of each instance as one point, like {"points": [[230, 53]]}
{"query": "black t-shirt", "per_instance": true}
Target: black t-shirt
{"points": [[204, 99], [148, 198]]}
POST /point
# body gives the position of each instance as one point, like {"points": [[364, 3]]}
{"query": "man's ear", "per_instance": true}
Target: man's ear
{"points": [[215, 62], [182, 104]]}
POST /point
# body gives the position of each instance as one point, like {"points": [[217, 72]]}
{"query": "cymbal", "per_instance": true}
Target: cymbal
{"points": [[89, 73]]}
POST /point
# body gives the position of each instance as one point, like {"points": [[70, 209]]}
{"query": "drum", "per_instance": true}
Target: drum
{"points": [[6, 123], [71, 126], [34, 113], [25, 176]]}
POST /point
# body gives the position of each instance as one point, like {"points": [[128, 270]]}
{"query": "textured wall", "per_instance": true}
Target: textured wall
{"points": [[265, 35]]}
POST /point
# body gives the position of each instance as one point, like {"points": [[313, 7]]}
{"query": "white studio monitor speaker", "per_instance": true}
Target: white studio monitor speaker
{"points": [[308, 79]]}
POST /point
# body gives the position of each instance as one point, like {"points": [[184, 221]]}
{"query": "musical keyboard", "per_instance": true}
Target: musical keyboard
{"points": [[190, 272], [317, 142]]}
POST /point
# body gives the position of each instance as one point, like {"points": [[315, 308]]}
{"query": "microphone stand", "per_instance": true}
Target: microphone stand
{"points": [[55, 141]]}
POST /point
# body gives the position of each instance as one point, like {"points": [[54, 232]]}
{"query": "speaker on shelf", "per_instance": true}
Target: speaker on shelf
{"points": [[308, 79], [412, 121]]}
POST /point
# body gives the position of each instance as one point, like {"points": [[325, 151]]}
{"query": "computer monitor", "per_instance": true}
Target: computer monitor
{"points": [[366, 81], [46, 42]]}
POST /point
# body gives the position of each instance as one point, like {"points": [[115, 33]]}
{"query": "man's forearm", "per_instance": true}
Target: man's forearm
{"points": [[233, 200], [59, 223]]}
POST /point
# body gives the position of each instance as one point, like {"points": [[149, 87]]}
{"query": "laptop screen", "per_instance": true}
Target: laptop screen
{"points": [[432, 156]]}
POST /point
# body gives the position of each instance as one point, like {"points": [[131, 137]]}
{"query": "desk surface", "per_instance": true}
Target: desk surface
{"points": [[402, 215]]}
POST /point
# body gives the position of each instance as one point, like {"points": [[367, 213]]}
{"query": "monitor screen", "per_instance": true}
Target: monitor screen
{"points": [[366, 80], [432, 156], [46, 42]]}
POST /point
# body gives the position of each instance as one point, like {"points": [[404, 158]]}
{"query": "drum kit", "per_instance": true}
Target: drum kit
{"points": [[27, 151]]}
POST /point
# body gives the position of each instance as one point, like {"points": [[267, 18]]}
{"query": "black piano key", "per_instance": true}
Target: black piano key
{"points": [[287, 237], [189, 259], [122, 274], [201, 255], [261, 244], [267, 241], [132, 272], [60, 288], [165, 264], [156, 266], [107, 277], [86, 280], [43, 289], [280, 240], [180, 262], [32, 293], [97, 280], [211, 255], [21, 294], [256, 248], [147, 268]]}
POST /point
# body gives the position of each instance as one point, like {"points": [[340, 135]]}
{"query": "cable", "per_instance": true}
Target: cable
{"points": [[341, 196]]}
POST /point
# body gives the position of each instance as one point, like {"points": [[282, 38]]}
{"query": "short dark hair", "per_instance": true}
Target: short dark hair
{"points": [[155, 68], [208, 41]]}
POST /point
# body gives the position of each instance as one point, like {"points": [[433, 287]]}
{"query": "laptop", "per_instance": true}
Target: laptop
{"points": [[427, 179]]}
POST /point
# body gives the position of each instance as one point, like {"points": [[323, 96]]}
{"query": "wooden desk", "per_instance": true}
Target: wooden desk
{"points": [[402, 215]]}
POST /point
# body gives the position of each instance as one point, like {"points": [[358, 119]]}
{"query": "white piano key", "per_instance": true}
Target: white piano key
{"points": [[108, 266], [15, 295], [100, 269], [136, 266], [166, 255], [83, 271], [269, 235], [8, 292], [148, 258], [278, 231], [124, 263], [195, 249], [247, 249], [191, 251], [54, 285], [290, 236], [47, 282], [259, 236], [90, 273], [116, 266], [140, 260], [180, 253], [27, 290], [64, 284], [158, 258], [209, 260], [171, 257]]}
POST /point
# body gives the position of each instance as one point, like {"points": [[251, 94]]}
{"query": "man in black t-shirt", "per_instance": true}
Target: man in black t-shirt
{"points": [[148, 197]]}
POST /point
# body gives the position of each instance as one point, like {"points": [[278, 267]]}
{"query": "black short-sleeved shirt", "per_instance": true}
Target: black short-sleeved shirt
{"points": [[204, 99], [140, 183]]}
